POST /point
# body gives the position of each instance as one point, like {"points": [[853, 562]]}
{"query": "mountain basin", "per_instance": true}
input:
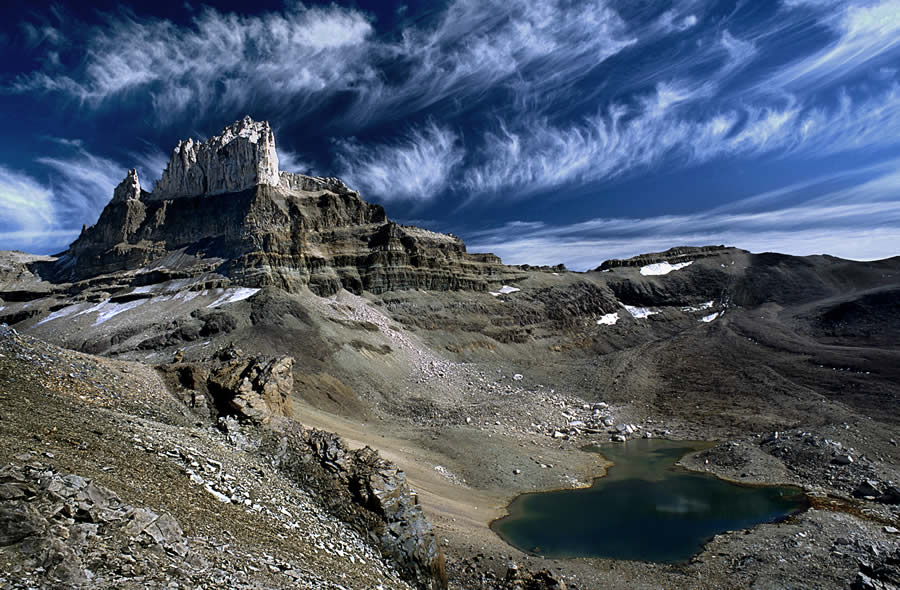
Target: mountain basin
{"points": [[645, 508]]}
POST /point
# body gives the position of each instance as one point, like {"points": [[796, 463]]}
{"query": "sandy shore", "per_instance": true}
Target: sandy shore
{"points": [[461, 509]]}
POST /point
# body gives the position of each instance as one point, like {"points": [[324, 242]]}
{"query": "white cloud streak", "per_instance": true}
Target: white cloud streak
{"points": [[81, 184], [861, 221], [221, 60], [26, 207], [292, 161], [864, 32], [415, 168], [480, 45], [538, 155], [47, 215]]}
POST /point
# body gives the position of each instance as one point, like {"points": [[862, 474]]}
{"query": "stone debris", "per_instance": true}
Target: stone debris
{"points": [[55, 525]]}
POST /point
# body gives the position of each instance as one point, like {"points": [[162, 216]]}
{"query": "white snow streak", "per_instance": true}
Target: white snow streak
{"points": [[233, 296], [504, 290], [609, 319], [639, 312], [663, 268], [60, 313], [106, 310], [700, 307]]}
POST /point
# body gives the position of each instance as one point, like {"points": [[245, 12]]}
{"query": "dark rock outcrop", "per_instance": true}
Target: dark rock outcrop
{"points": [[672, 256], [367, 492]]}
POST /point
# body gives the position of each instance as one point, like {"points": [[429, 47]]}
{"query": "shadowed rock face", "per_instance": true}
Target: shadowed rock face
{"points": [[223, 206], [366, 491]]}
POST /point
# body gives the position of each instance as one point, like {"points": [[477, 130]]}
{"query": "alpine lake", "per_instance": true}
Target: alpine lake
{"points": [[645, 508]]}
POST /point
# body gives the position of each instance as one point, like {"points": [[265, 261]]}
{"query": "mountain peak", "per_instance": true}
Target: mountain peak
{"points": [[242, 156], [128, 189]]}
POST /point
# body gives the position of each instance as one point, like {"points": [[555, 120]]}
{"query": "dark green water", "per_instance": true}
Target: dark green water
{"points": [[644, 509]]}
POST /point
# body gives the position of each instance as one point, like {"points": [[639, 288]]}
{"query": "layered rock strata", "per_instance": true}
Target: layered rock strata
{"points": [[223, 206]]}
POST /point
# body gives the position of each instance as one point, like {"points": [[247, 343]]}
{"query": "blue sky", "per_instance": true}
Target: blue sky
{"points": [[553, 131]]}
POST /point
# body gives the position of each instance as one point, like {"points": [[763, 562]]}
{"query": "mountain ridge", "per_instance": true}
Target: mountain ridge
{"points": [[223, 205]]}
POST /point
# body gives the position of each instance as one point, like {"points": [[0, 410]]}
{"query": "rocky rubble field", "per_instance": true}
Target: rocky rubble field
{"points": [[98, 497]]}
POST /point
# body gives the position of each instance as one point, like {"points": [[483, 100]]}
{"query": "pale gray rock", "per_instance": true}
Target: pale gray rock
{"points": [[242, 157], [129, 189]]}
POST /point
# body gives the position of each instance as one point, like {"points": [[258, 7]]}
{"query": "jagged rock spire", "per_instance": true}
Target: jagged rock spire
{"points": [[241, 157], [128, 189]]}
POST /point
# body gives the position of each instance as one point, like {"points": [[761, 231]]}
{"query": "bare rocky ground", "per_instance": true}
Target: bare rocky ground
{"points": [[479, 397], [110, 482]]}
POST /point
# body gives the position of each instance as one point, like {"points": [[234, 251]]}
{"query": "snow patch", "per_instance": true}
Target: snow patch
{"points": [[233, 296], [504, 290], [663, 268], [700, 307], [187, 295], [639, 312], [106, 310], [710, 317], [60, 313], [609, 319]]}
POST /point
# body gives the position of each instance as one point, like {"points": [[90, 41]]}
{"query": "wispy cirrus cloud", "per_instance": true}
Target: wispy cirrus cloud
{"points": [[864, 32], [150, 161], [416, 167], [477, 46], [292, 161], [81, 184], [46, 214], [301, 57], [220, 60], [859, 221], [538, 155], [26, 209]]}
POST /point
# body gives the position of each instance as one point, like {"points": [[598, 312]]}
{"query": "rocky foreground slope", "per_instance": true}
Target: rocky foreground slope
{"points": [[239, 310]]}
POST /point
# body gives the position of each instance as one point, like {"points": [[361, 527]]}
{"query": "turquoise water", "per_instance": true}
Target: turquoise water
{"points": [[644, 509]]}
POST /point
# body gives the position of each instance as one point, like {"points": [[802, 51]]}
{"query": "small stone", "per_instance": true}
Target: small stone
{"points": [[868, 488], [891, 530]]}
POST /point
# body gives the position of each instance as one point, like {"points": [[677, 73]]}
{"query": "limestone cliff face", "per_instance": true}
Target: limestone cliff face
{"points": [[224, 205], [242, 157]]}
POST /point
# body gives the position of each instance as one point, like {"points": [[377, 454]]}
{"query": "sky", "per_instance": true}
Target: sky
{"points": [[559, 131]]}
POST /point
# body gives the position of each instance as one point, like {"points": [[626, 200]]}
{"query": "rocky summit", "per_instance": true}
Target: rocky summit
{"points": [[248, 378], [222, 207]]}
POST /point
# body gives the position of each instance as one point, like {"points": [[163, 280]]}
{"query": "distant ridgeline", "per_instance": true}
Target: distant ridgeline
{"points": [[678, 255], [223, 207]]}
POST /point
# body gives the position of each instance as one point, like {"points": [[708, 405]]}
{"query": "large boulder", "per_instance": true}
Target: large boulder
{"points": [[254, 389]]}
